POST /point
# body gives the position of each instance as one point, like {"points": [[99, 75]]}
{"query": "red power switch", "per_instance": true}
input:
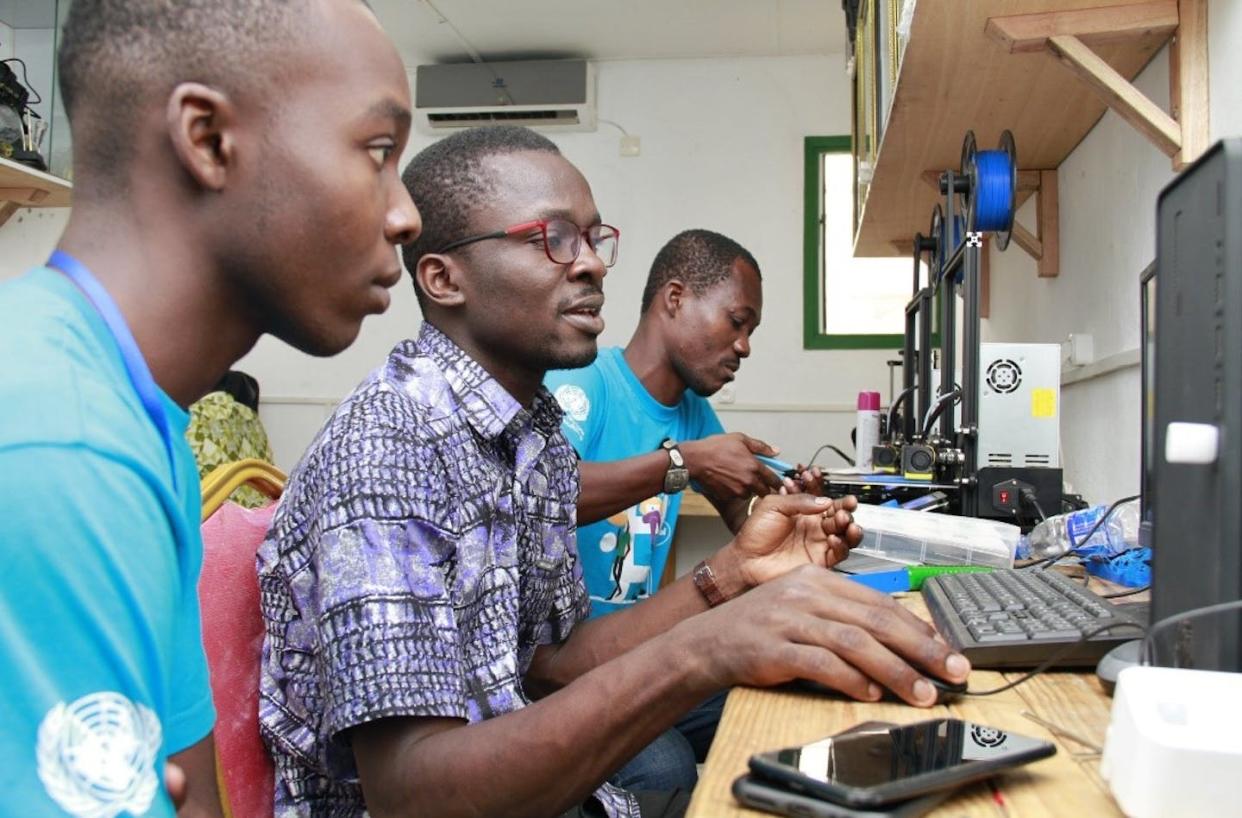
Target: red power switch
{"points": [[1005, 495]]}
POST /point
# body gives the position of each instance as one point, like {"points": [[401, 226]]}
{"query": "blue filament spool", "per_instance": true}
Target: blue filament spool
{"points": [[993, 175]]}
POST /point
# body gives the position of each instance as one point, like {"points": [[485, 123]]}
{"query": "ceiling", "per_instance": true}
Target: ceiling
{"points": [[429, 31]]}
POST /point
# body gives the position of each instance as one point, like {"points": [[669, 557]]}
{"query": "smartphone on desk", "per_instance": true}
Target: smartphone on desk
{"points": [[886, 764], [771, 797]]}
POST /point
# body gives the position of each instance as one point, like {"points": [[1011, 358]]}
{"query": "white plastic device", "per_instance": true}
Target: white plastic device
{"points": [[1174, 743]]}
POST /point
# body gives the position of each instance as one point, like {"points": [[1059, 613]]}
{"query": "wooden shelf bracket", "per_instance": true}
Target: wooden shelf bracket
{"points": [[1045, 244], [1067, 35]]}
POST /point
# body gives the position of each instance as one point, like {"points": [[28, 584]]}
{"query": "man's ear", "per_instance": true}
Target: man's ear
{"points": [[201, 123], [672, 295], [439, 278]]}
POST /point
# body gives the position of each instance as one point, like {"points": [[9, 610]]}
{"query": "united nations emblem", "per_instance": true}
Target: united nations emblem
{"points": [[96, 756]]}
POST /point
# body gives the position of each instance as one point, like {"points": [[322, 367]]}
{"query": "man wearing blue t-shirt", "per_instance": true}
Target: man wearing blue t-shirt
{"points": [[640, 421], [641, 424], [211, 206]]}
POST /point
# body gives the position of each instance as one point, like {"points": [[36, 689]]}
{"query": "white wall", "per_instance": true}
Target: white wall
{"points": [[1108, 188], [721, 149], [28, 237]]}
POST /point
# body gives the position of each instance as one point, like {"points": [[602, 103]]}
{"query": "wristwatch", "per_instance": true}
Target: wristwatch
{"points": [[678, 476]]}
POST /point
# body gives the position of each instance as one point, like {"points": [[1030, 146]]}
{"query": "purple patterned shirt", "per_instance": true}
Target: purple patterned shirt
{"points": [[423, 549]]}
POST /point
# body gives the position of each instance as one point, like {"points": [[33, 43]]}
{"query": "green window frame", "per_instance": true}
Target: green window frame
{"points": [[814, 334]]}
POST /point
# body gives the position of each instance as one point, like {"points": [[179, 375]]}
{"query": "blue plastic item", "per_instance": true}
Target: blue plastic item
{"points": [[778, 466], [1130, 568]]}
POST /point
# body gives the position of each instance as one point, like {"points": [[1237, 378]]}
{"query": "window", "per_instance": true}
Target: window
{"points": [[849, 303]]}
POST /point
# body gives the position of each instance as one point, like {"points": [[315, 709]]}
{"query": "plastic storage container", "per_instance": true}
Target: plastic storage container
{"points": [[935, 539]]}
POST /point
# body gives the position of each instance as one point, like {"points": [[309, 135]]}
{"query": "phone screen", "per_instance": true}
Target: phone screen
{"points": [[884, 762]]}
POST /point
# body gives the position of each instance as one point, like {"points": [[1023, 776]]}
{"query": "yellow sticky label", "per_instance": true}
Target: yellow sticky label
{"points": [[1043, 403]]}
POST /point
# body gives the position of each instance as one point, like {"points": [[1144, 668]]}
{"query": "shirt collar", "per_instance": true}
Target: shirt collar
{"points": [[489, 408]]}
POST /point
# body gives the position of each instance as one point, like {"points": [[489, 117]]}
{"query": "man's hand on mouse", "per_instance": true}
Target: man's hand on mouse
{"points": [[812, 624]]}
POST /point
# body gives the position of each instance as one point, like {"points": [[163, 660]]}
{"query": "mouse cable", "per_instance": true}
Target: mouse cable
{"points": [[1057, 656], [1148, 654], [1130, 592]]}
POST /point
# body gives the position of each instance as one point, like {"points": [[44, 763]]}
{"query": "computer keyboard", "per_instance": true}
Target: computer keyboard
{"points": [[1020, 618]]}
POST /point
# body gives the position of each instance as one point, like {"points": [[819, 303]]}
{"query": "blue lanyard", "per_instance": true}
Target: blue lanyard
{"points": [[135, 364]]}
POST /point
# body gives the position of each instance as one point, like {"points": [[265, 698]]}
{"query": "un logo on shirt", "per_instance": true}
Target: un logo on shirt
{"points": [[574, 401], [96, 756]]}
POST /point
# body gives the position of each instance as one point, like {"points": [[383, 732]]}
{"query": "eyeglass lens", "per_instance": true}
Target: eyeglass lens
{"points": [[564, 242]]}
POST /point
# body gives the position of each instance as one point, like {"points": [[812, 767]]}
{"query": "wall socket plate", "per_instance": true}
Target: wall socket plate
{"points": [[631, 145], [1078, 349]]}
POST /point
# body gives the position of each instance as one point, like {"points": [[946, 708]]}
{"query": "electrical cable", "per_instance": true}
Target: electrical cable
{"points": [[937, 407], [1057, 656], [25, 80], [843, 455], [1029, 496], [892, 409], [1129, 592], [1148, 653], [1047, 562]]}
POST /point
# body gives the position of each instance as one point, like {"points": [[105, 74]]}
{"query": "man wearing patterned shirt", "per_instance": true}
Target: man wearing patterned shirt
{"points": [[427, 651]]}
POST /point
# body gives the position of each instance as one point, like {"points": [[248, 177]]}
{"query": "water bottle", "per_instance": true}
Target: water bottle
{"points": [[1064, 532]]}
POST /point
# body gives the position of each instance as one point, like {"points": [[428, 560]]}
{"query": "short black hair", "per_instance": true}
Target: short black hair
{"points": [[447, 181], [117, 55], [242, 386], [700, 258]]}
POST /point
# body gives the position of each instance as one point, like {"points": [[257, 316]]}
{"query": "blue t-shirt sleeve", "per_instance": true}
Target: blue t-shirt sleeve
{"points": [[708, 423], [583, 397], [93, 610]]}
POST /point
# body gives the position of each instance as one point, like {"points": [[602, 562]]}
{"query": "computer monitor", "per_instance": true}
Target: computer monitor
{"points": [[1196, 478], [1147, 358]]}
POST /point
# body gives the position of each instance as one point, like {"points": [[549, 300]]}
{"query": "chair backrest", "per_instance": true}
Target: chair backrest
{"points": [[233, 633]]}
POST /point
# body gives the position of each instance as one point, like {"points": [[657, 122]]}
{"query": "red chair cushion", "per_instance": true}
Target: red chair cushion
{"points": [[233, 636]]}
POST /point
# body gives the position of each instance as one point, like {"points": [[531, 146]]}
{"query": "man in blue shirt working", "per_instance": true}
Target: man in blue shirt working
{"points": [[211, 206], [641, 424]]}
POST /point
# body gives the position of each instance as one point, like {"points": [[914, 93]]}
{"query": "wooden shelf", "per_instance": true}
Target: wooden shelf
{"points": [[21, 186], [956, 76]]}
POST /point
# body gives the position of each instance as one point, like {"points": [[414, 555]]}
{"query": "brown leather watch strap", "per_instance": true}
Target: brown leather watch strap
{"points": [[705, 581]]}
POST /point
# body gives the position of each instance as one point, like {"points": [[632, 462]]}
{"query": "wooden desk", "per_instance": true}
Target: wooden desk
{"points": [[1067, 784], [694, 504]]}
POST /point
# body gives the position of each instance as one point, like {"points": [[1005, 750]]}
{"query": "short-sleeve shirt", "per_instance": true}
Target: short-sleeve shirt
{"points": [[610, 415], [423, 549], [104, 673], [224, 430]]}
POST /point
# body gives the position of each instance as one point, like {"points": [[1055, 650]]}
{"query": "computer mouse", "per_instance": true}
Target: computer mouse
{"points": [[946, 692], [1125, 655]]}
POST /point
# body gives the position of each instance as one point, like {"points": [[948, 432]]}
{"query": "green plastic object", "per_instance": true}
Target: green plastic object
{"points": [[920, 573]]}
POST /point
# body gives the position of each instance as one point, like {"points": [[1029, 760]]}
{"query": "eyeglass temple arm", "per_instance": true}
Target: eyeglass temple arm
{"points": [[453, 245]]}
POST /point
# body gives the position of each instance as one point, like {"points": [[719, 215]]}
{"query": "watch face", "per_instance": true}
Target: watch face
{"points": [[675, 456], [675, 480]]}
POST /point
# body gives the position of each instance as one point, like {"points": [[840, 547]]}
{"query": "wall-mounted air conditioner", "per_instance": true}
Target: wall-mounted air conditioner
{"points": [[545, 94]]}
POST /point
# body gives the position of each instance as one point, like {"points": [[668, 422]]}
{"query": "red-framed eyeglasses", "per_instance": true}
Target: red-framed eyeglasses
{"points": [[562, 239]]}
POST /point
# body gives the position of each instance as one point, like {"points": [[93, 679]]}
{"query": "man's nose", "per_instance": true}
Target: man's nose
{"points": [[403, 223]]}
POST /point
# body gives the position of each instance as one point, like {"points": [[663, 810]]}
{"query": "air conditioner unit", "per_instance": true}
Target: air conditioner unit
{"points": [[545, 94]]}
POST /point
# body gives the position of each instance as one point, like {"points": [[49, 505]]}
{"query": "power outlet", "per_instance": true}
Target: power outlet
{"points": [[1078, 349], [726, 394], [631, 145]]}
